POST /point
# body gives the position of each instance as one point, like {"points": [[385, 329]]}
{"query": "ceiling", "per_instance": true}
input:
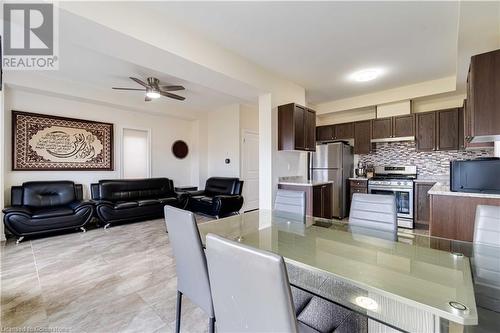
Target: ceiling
{"points": [[318, 44]]}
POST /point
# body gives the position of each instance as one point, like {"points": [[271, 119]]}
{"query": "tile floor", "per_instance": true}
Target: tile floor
{"points": [[117, 280]]}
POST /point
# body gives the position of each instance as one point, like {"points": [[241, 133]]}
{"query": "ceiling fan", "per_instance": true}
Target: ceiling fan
{"points": [[154, 90]]}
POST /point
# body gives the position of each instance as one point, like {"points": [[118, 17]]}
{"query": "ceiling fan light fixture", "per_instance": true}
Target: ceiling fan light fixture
{"points": [[152, 93]]}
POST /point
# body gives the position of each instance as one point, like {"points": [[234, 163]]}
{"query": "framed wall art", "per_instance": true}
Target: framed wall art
{"points": [[44, 142]]}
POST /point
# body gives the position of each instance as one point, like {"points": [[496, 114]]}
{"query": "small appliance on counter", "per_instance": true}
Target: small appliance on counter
{"points": [[480, 175], [360, 171]]}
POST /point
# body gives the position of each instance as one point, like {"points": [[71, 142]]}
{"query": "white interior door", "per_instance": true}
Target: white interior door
{"points": [[250, 170], [135, 153]]}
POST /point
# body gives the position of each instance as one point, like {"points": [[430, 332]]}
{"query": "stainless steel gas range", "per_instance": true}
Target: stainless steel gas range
{"points": [[397, 181]]}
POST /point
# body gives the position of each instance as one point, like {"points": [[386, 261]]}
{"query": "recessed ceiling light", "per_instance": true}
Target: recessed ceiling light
{"points": [[366, 303], [366, 75]]}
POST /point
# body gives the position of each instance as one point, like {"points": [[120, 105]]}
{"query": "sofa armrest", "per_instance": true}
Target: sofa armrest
{"points": [[25, 210], [102, 202], [75, 205], [227, 204], [183, 198], [195, 193]]}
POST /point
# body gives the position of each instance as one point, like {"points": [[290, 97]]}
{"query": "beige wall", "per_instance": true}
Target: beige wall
{"points": [[249, 117], [439, 102]]}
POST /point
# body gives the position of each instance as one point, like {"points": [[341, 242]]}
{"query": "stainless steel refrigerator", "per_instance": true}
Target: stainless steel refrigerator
{"points": [[333, 161]]}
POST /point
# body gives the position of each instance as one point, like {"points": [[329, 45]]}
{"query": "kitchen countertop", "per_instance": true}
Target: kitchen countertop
{"points": [[358, 178], [443, 179], [442, 189], [304, 182]]}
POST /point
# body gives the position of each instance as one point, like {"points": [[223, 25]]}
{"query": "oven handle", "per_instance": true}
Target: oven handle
{"points": [[409, 190]]}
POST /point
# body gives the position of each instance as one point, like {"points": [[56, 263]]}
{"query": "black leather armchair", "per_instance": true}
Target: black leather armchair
{"points": [[221, 197], [46, 206], [132, 200]]}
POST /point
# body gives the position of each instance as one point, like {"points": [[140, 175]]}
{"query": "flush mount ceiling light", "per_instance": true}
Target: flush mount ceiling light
{"points": [[152, 93], [366, 75], [366, 303]]}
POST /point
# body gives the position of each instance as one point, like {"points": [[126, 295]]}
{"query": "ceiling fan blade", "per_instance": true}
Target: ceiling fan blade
{"points": [[147, 99], [144, 84], [116, 88], [172, 88], [174, 96]]}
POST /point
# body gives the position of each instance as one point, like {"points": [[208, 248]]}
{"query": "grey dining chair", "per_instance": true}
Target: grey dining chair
{"points": [[190, 262], [251, 293], [374, 215], [292, 202], [485, 262]]}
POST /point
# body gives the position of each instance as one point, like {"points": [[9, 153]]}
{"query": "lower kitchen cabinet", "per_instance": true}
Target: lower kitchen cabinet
{"points": [[422, 203], [319, 198], [357, 186]]}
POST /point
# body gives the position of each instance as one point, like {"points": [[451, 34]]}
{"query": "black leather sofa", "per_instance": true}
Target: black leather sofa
{"points": [[46, 206], [132, 200], [221, 197]]}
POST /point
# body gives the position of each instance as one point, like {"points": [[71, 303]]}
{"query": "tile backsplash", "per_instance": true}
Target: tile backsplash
{"points": [[428, 163]]}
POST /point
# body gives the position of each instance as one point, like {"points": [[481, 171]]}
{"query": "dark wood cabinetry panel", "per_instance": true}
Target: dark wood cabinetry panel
{"points": [[296, 128], [344, 131], [318, 198], [483, 94], [461, 127], [422, 203], [362, 137], [356, 186], [403, 126], [447, 129], [324, 133], [382, 128], [310, 130], [426, 131]]}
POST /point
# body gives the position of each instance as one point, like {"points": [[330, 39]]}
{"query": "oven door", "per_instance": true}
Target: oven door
{"points": [[404, 199]]}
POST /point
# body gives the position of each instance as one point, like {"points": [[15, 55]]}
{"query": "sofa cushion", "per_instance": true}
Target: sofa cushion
{"points": [[48, 194], [45, 213], [167, 200], [126, 204], [135, 189], [148, 202]]}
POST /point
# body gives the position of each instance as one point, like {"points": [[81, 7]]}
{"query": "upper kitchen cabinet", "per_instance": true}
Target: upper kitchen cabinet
{"points": [[382, 128], [403, 126], [362, 137], [426, 131], [393, 127], [464, 130], [296, 128], [438, 130], [343, 131], [483, 98]]}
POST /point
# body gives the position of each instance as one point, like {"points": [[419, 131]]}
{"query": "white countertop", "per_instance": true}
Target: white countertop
{"points": [[305, 182], [358, 178], [443, 179], [441, 189]]}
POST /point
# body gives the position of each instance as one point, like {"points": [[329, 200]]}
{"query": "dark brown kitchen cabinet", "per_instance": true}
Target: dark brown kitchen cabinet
{"points": [[344, 131], [296, 128], [447, 126], [483, 95], [426, 131], [464, 131], [438, 130], [325, 133], [357, 186], [362, 137], [318, 198], [322, 201], [382, 128], [403, 126], [422, 204]]}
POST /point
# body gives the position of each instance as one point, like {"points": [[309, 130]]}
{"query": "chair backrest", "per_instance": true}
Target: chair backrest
{"points": [[293, 202], [48, 193], [373, 211], [487, 225], [250, 288], [133, 189], [223, 185], [190, 260]]}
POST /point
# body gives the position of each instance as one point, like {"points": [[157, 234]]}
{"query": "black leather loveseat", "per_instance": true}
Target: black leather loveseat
{"points": [[131, 200], [46, 206], [221, 197]]}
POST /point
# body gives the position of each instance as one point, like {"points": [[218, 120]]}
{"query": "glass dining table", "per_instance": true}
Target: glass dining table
{"points": [[404, 282]]}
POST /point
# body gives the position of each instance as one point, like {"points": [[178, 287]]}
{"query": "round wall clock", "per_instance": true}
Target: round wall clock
{"points": [[180, 149]]}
